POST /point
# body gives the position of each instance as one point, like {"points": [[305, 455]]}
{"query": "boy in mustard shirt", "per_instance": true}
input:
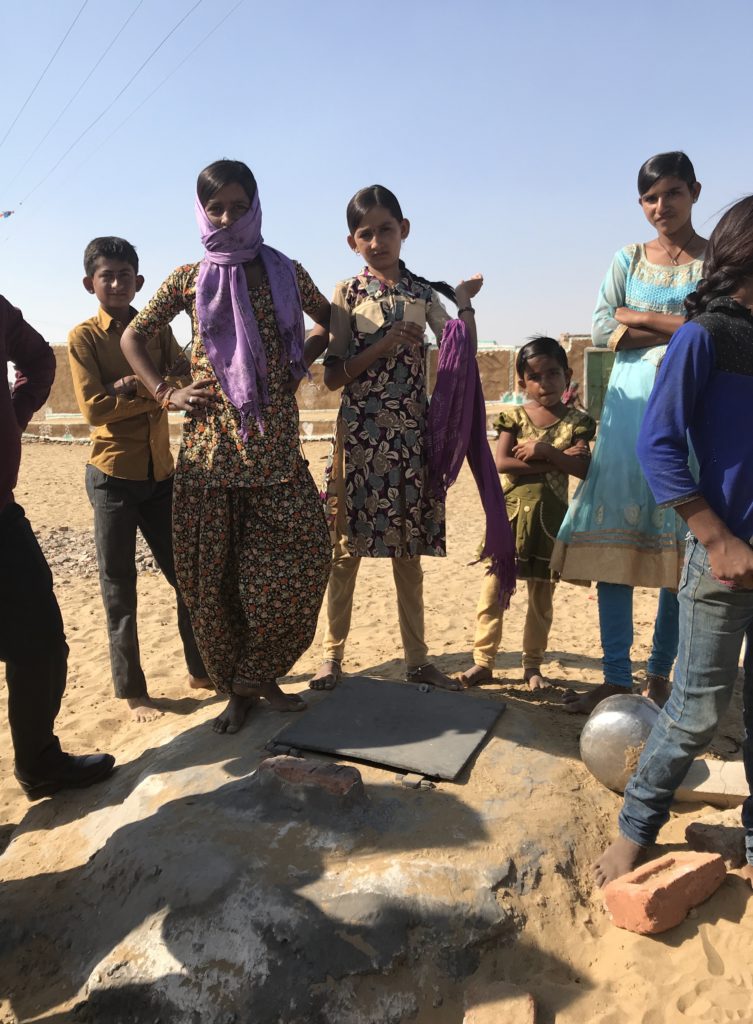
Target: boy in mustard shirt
{"points": [[129, 476]]}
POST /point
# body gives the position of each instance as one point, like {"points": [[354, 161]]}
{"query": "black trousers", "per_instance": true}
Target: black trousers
{"points": [[120, 508], [32, 644]]}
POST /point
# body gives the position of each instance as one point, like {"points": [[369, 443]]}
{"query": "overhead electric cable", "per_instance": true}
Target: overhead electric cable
{"points": [[76, 93], [165, 79], [46, 69], [112, 102]]}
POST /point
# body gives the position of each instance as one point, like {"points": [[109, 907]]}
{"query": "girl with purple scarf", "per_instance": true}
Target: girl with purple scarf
{"points": [[379, 499], [251, 547]]}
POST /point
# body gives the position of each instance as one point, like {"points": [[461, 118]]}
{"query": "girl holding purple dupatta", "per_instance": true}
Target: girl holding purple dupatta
{"points": [[379, 499], [250, 539]]}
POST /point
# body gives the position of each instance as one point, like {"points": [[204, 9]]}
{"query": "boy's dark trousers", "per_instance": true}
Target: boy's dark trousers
{"points": [[120, 507], [32, 645]]}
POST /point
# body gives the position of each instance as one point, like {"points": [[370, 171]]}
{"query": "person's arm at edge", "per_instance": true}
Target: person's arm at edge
{"points": [[35, 366]]}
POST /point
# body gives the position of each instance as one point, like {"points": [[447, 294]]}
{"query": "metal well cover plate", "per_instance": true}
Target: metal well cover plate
{"points": [[395, 725]]}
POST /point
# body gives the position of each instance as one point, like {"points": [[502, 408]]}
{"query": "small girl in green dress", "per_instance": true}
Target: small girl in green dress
{"points": [[539, 444]]}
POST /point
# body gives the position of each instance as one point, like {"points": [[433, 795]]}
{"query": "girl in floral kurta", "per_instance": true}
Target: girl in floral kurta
{"points": [[378, 501], [251, 546]]}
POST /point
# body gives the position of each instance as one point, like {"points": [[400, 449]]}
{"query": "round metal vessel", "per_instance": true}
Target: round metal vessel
{"points": [[614, 736]]}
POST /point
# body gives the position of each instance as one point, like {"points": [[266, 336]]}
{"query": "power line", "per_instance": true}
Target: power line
{"points": [[165, 79], [46, 69], [76, 93], [112, 102]]}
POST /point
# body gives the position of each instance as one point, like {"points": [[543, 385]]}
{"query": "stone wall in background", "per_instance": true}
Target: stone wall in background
{"points": [[318, 406]]}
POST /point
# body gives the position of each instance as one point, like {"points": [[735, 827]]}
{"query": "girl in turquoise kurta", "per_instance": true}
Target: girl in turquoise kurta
{"points": [[613, 532]]}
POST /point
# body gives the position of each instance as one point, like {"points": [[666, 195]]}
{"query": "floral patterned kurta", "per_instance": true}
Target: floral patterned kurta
{"points": [[375, 480], [252, 553]]}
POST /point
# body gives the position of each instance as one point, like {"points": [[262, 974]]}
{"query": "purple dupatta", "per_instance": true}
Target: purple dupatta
{"points": [[226, 318], [456, 428]]}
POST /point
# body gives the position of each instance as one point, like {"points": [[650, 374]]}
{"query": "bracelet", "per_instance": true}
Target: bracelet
{"points": [[161, 388], [466, 309], [164, 401], [345, 370]]}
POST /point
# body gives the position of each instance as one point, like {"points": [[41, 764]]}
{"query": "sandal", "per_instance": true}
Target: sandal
{"points": [[329, 680]]}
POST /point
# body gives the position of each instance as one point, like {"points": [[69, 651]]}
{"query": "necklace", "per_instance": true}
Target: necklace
{"points": [[673, 259]]}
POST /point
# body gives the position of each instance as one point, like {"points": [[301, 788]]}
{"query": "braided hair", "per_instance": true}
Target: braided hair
{"points": [[729, 257], [377, 195]]}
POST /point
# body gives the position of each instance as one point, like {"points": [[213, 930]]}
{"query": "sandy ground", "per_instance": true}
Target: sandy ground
{"points": [[700, 971]]}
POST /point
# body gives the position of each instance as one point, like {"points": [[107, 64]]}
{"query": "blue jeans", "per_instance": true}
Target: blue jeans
{"points": [[713, 621], [616, 626]]}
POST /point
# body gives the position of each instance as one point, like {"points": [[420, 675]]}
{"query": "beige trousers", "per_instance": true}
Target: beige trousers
{"points": [[489, 617], [409, 584]]}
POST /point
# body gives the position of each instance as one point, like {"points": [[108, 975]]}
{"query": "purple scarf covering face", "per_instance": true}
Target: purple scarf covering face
{"points": [[456, 428], [226, 319]]}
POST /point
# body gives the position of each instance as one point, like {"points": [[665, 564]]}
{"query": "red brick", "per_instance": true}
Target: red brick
{"points": [[658, 895], [339, 780], [499, 1003]]}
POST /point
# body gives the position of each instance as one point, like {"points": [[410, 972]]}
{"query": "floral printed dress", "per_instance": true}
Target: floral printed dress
{"points": [[375, 481], [252, 553]]}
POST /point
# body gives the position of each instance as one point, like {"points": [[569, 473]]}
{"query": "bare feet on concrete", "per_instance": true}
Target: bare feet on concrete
{"points": [[657, 688], [234, 715], [477, 676], [327, 676], [143, 709], [618, 859], [584, 703], [433, 677], [272, 694]]}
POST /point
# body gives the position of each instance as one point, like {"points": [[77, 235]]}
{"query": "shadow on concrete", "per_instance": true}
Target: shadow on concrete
{"points": [[247, 900]]}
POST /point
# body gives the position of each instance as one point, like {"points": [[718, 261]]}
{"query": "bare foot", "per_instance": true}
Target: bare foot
{"points": [[431, 675], [327, 676], [143, 709], [746, 873], [535, 680], [200, 682], [272, 694], [657, 688], [618, 859], [584, 703], [234, 715], [477, 675]]}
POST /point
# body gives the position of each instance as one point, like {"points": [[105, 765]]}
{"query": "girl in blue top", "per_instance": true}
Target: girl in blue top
{"points": [[613, 532], [703, 398]]}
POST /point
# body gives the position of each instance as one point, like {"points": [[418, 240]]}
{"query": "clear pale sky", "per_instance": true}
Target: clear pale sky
{"points": [[512, 134]]}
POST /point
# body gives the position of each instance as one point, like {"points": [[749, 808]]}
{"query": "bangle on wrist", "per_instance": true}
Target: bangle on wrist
{"points": [[161, 388], [166, 396], [466, 309], [345, 370]]}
